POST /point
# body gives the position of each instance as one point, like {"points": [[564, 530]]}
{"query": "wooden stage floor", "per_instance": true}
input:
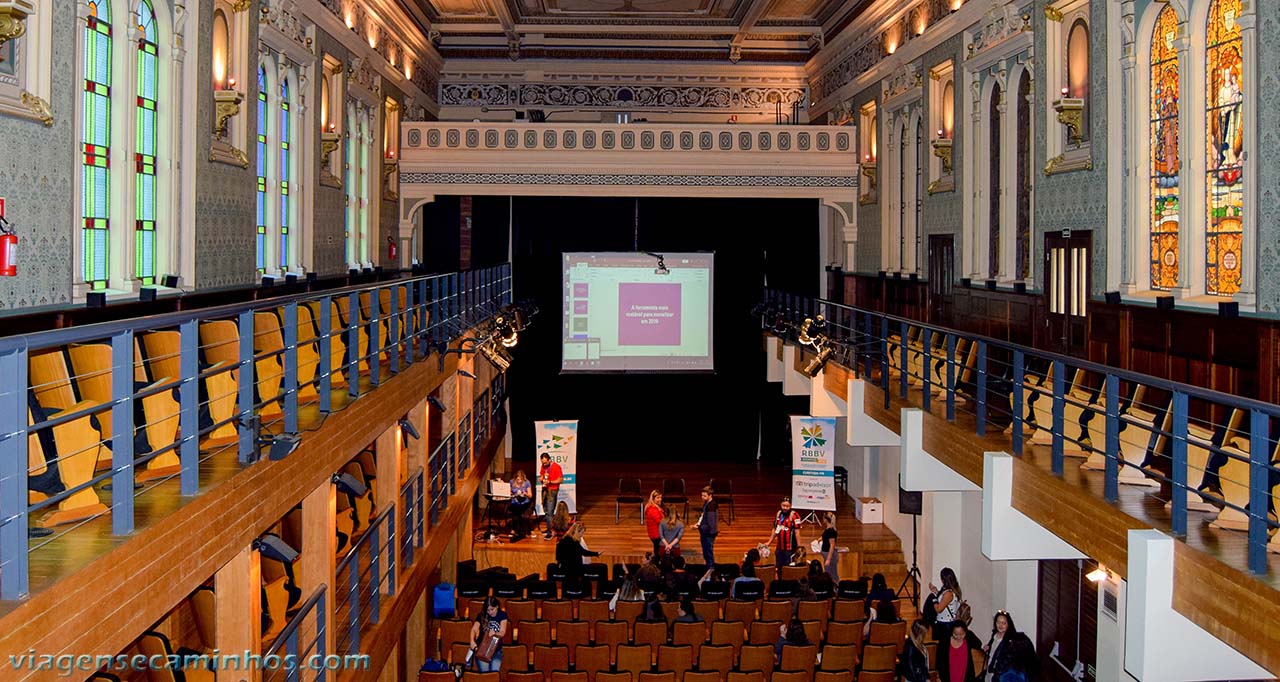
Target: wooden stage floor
{"points": [[757, 489]]}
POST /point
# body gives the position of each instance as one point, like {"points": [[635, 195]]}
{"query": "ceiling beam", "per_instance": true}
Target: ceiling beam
{"points": [[755, 9], [508, 22]]}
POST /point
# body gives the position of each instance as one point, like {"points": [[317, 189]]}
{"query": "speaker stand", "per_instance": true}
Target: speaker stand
{"points": [[911, 583]]}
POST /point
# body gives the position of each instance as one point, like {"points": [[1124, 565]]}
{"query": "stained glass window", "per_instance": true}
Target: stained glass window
{"points": [[145, 151], [285, 135], [1224, 186], [260, 247], [1165, 160], [350, 182], [366, 138], [994, 184], [96, 146]]}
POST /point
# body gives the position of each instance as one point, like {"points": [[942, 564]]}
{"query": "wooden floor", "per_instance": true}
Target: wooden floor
{"points": [[758, 490]]}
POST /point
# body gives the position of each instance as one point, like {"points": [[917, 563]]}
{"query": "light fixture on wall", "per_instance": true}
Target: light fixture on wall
{"points": [[1071, 114], [407, 427], [869, 170], [13, 15], [1097, 575]]}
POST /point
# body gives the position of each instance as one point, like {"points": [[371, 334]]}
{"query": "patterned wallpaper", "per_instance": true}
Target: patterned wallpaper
{"points": [[941, 213], [36, 181], [1076, 200], [389, 214], [226, 200], [868, 256], [1268, 222], [329, 253]]}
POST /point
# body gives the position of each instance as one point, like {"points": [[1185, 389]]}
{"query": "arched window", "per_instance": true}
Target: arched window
{"points": [[1022, 251], [95, 212], [1078, 69], [1224, 186], [285, 171], [365, 182], [994, 184], [260, 249], [1166, 163], [221, 50], [349, 186], [145, 150], [903, 179]]}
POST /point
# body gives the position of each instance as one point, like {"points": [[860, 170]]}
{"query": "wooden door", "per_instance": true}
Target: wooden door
{"points": [[1067, 632], [1068, 260], [942, 264]]}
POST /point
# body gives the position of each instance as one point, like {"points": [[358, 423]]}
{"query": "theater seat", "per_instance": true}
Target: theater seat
{"points": [[220, 341], [309, 333], [275, 605], [75, 452], [362, 334], [155, 644], [217, 391]]}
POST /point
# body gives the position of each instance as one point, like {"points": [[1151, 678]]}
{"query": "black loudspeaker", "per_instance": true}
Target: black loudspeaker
{"points": [[291, 278], [914, 277], [170, 281], [1019, 287], [311, 277], [268, 281], [353, 272], [95, 299], [1229, 309], [147, 294], [882, 274], [897, 275], [1113, 298], [1164, 302], [966, 282], [991, 285], [910, 502]]}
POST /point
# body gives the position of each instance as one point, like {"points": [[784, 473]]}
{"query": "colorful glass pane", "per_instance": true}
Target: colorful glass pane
{"points": [[284, 174], [95, 200], [1224, 119], [145, 140], [349, 182], [260, 247], [1165, 160], [364, 182]]}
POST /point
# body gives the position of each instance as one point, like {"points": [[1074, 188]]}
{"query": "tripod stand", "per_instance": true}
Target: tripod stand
{"points": [[912, 581]]}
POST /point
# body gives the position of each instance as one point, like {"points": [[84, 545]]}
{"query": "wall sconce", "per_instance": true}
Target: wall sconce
{"points": [[226, 105], [1071, 114], [390, 169], [942, 150], [328, 145], [869, 170], [13, 14]]}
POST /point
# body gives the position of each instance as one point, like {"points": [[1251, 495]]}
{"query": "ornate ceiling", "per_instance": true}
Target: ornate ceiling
{"points": [[769, 31]]}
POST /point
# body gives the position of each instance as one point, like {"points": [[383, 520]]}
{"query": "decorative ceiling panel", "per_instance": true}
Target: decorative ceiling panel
{"points": [[449, 9]]}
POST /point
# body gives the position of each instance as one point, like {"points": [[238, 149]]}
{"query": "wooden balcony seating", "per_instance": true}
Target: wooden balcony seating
{"points": [[155, 418], [153, 644], [365, 312], [59, 459], [204, 610], [269, 339], [220, 341], [1140, 442], [1203, 464], [1233, 476], [50, 379], [362, 334], [309, 331], [217, 391], [1097, 459], [967, 356], [1034, 385]]}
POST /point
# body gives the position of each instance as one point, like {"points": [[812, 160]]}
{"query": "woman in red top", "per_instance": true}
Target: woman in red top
{"points": [[652, 519], [954, 659]]}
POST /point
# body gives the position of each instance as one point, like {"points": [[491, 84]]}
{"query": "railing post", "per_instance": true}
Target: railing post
{"points": [[353, 601], [419, 529], [14, 577], [245, 399], [325, 367], [375, 339], [291, 367], [391, 553], [926, 395], [1259, 487], [981, 409], [353, 344], [189, 414], [425, 317], [1019, 378], [951, 377], [1059, 387], [321, 649], [375, 572], [1111, 477], [393, 331], [902, 359], [293, 665], [122, 433], [884, 359], [1179, 442]]}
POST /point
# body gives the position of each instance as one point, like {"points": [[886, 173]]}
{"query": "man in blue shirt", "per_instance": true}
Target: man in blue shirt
{"points": [[709, 526]]}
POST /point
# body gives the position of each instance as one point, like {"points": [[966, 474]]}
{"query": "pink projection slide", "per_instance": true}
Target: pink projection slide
{"points": [[648, 314]]}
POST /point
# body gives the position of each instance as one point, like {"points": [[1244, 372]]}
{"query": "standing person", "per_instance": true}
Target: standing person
{"points": [[570, 553], [946, 603], [954, 660], [829, 554], [492, 622], [914, 666], [1011, 657], [551, 476], [672, 530], [653, 519], [786, 528], [521, 498], [709, 526]]}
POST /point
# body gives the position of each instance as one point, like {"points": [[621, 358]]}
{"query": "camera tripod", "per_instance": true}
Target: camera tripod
{"points": [[911, 583]]}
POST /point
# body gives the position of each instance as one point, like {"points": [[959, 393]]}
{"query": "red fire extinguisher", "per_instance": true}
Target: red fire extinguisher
{"points": [[391, 248], [8, 249]]}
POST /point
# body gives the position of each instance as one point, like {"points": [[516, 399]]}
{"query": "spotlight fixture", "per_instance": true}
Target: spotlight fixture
{"points": [[1097, 575], [272, 547], [407, 427], [466, 374], [281, 445], [812, 330], [349, 485], [496, 357], [816, 364], [435, 402]]}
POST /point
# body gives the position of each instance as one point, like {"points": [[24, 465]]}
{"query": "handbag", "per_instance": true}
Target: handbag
{"points": [[488, 648]]}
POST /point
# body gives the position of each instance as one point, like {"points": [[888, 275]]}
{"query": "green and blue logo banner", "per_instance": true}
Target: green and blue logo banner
{"points": [[813, 456], [559, 440]]}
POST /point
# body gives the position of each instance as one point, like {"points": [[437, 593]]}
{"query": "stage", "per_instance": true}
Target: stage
{"points": [[757, 493]]}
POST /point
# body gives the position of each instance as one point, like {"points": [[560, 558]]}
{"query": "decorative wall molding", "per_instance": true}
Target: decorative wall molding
{"points": [[282, 27], [628, 180], [618, 96]]}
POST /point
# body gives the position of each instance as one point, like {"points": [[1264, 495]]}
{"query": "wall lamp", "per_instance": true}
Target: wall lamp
{"points": [[435, 402], [407, 427], [272, 547], [1098, 574], [279, 445], [349, 485]]}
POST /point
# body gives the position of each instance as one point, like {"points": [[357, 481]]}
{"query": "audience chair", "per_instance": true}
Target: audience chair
{"points": [[706, 676], [657, 677], [611, 634], [591, 660], [573, 634], [673, 492], [533, 632], [793, 572], [879, 657], [159, 424], [628, 493], [715, 589], [520, 610], [457, 632], [677, 659], [730, 633], [652, 635], [562, 676], [614, 677], [74, 456], [153, 644], [800, 658], [694, 635], [593, 611], [849, 611], [757, 657], [550, 658], [628, 611], [634, 659], [833, 675], [780, 589], [813, 630], [716, 657], [707, 608], [767, 574], [877, 676], [724, 495], [744, 611], [309, 330], [888, 633], [556, 610], [743, 676], [790, 676], [838, 657], [777, 609], [515, 658], [814, 609], [438, 676], [764, 632], [524, 675]]}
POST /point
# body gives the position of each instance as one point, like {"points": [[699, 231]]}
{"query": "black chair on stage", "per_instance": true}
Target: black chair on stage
{"points": [[783, 588], [596, 572], [673, 493], [852, 589], [715, 589], [576, 589], [555, 573], [628, 493], [607, 589], [723, 490], [510, 589], [473, 589], [542, 589]]}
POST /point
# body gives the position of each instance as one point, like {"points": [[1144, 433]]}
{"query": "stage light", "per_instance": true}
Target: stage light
{"points": [[272, 547], [466, 374], [812, 330], [282, 445], [435, 402], [497, 358], [349, 484], [816, 364], [408, 429], [1097, 575]]}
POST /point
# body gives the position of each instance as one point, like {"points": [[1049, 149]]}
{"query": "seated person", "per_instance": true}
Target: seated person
{"points": [[685, 612], [882, 612], [679, 581], [629, 590], [652, 612], [748, 576], [561, 520], [792, 634], [819, 581], [521, 501]]}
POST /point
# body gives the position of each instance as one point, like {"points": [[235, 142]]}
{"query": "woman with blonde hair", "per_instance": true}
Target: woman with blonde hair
{"points": [[570, 552], [653, 519], [521, 501], [561, 520], [914, 665]]}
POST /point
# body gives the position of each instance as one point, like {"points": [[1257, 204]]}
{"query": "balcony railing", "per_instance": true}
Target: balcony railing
{"points": [[1216, 454], [365, 576], [298, 653], [412, 524], [176, 403]]}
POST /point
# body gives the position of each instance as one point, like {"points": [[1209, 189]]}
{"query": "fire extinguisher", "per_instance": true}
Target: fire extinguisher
{"points": [[8, 249], [391, 248]]}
